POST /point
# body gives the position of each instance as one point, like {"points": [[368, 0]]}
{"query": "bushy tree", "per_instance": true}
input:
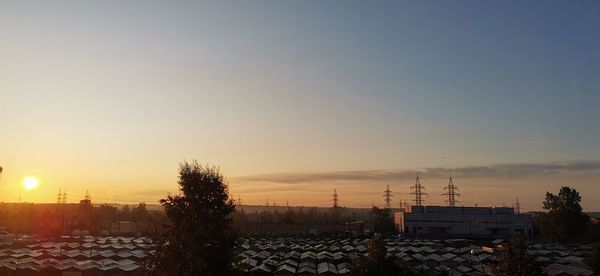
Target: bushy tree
{"points": [[382, 220], [198, 240], [514, 261], [564, 220], [85, 214], [594, 259], [376, 263]]}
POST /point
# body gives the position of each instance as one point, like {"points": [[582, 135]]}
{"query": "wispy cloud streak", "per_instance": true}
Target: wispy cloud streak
{"points": [[512, 170]]}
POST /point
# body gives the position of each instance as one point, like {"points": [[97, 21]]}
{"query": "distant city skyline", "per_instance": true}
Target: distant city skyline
{"points": [[295, 99]]}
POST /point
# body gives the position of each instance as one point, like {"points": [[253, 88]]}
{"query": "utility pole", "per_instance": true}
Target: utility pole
{"points": [[335, 198], [451, 192], [404, 205], [418, 191], [387, 195], [59, 197]]}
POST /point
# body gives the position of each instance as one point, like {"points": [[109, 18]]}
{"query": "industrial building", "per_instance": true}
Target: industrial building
{"points": [[463, 221]]}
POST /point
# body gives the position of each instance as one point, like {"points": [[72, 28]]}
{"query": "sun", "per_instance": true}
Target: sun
{"points": [[29, 183]]}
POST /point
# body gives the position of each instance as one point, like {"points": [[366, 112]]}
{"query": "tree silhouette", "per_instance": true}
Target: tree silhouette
{"points": [[382, 220], [198, 240], [594, 259], [565, 220], [376, 262], [514, 260]]}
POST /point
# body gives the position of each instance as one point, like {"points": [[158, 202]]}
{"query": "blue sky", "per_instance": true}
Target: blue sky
{"points": [[114, 88]]}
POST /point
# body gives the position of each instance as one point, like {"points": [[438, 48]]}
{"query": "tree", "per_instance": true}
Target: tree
{"points": [[514, 260], [564, 220], [85, 214], [106, 215], [198, 240], [377, 250], [376, 263], [382, 220], [594, 259]]}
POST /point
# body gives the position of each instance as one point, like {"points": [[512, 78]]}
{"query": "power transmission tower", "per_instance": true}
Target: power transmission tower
{"points": [[64, 197], [418, 192], [87, 196], [451, 192], [59, 197], [335, 198], [387, 195], [239, 201], [518, 206], [403, 204]]}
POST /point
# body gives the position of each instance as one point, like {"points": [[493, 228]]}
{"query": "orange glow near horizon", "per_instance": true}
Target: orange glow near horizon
{"points": [[134, 188]]}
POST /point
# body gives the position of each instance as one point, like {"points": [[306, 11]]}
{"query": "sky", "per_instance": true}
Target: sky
{"points": [[292, 99]]}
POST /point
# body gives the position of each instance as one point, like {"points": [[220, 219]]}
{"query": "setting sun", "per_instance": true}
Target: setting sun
{"points": [[29, 183]]}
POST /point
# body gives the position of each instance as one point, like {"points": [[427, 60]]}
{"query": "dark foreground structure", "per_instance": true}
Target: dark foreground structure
{"points": [[463, 221], [75, 256], [125, 256], [315, 256]]}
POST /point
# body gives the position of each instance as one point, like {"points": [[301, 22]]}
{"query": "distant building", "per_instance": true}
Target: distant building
{"points": [[463, 221], [124, 227]]}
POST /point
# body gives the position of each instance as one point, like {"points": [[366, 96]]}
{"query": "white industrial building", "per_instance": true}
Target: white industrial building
{"points": [[463, 221]]}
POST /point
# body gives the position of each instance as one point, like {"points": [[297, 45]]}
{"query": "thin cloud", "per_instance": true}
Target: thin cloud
{"points": [[269, 188], [511, 170]]}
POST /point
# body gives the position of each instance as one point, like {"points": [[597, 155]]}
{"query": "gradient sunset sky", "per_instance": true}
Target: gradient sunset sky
{"points": [[295, 98]]}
